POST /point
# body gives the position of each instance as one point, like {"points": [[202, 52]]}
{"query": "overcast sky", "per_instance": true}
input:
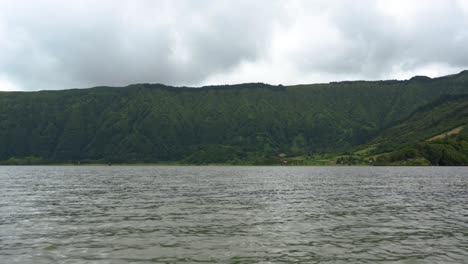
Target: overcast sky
{"points": [[73, 44]]}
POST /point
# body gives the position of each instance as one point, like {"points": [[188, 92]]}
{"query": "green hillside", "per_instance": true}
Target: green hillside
{"points": [[442, 115], [241, 124], [434, 134], [449, 150]]}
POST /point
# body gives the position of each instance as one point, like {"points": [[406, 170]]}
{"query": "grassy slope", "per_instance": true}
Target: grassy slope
{"points": [[440, 124], [156, 123], [453, 132], [440, 116]]}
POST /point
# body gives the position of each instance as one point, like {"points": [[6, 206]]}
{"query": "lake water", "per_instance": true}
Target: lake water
{"points": [[233, 214]]}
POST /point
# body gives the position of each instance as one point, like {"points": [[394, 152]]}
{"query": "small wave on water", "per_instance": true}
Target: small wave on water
{"points": [[157, 214]]}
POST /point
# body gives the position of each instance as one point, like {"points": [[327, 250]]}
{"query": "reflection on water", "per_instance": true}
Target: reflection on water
{"points": [[233, 214]]}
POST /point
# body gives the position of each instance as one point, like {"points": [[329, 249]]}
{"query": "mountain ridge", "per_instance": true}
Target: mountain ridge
{"points": [[414, 78], [153, 123]]}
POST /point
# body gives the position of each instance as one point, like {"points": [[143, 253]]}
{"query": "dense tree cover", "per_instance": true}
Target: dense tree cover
{"points": [[441, 115], [435, 134], [450, 151], [349, 160], [218, 124]]}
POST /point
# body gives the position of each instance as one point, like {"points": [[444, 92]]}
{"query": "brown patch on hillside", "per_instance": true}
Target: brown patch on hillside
{"points": [[454, 131]]}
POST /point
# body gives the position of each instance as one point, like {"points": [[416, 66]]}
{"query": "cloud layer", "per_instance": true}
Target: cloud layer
{"points": [[65, 44]]}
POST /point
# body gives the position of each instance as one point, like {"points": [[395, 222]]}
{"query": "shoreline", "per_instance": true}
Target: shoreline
{"points": [[209, 165]]}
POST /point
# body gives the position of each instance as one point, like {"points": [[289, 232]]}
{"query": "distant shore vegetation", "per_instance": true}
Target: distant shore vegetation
{"points": [[421, 121]]}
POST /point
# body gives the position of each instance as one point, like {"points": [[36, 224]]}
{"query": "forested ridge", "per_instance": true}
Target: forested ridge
{"points": [[236, 124]]}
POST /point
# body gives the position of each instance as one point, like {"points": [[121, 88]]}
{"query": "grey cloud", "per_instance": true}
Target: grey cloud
{"points": [[435, 35], [63, 44], [137, 42]]}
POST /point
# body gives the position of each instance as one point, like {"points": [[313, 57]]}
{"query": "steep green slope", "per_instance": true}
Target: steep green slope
{"points": [[442, 115], [155, 123], [434, 134], [451, 150]]}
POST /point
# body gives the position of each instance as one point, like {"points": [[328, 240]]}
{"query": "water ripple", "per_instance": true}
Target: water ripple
{"points": [[233, 215]]}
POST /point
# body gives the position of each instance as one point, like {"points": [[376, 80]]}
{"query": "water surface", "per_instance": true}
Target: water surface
{"points": [[233, 215]]}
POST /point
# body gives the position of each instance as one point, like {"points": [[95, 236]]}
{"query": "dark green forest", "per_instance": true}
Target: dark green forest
{"points": [[251, 123]]}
